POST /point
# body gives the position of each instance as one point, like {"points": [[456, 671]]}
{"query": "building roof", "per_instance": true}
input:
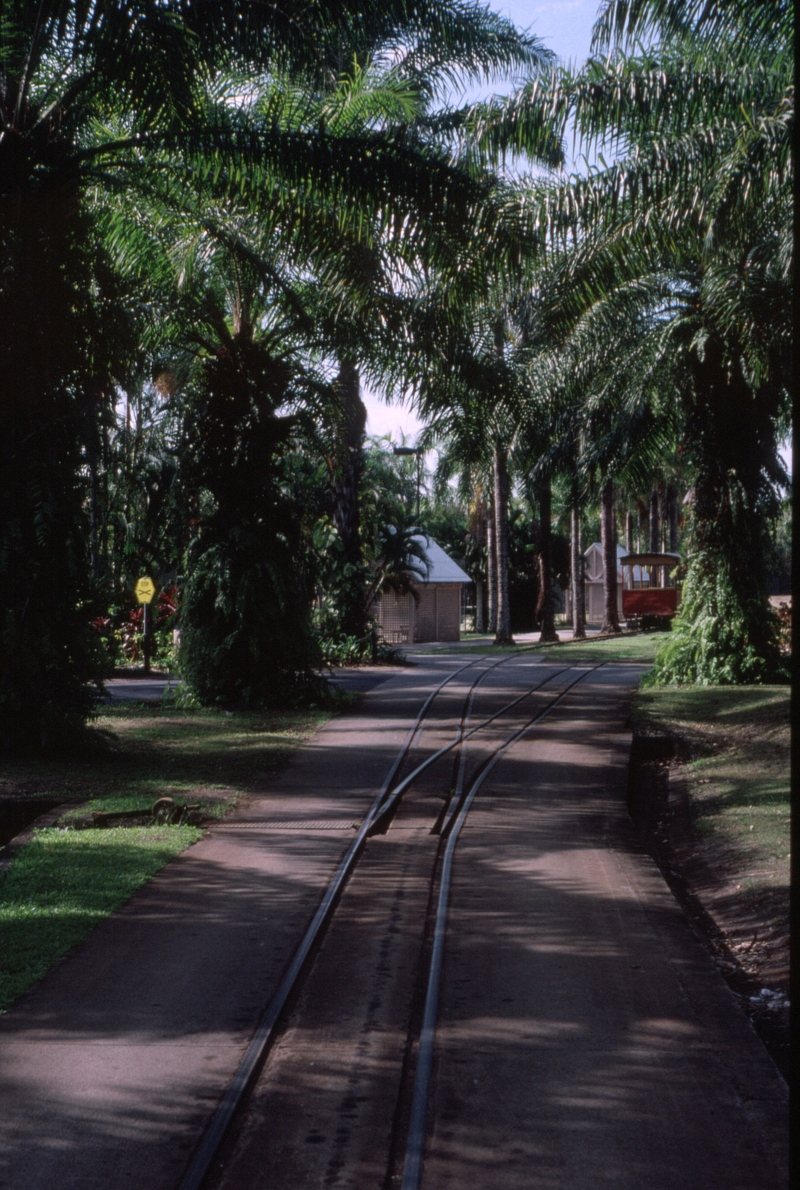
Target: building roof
{"points": [[442, 568], [596, 545], [594, 563]]}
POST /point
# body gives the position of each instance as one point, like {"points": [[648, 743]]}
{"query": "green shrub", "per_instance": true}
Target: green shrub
{"points": [[717, 638]]}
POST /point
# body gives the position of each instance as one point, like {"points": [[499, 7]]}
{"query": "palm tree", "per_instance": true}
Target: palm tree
{"points": [[468, 391], [693, 224], [115, 98], [68, 71], [576, 571]]}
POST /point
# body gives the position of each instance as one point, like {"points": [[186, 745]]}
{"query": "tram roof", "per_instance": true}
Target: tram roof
{"points": [[650, 559]]}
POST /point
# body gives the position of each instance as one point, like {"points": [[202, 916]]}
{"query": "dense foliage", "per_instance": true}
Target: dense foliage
{"points": [[218, 220]]}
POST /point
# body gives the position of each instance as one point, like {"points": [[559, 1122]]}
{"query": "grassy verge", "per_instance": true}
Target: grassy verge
{"points": [[636, 647], [719, 828], [736, 740], [65, 881]]}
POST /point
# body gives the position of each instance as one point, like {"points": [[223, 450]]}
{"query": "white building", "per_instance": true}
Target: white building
{"points": [[593, 582], [436, 615]]}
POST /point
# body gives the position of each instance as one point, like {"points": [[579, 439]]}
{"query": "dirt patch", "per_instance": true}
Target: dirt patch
{"points": [[738, 905]]}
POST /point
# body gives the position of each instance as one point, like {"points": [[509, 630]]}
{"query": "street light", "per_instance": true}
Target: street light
{"points": [[412, 450]]}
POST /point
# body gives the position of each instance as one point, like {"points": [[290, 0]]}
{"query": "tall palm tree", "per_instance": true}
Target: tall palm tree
{"points": [[97, 98], [81, 86], [693, 223], [469, 391], [608, 541]]}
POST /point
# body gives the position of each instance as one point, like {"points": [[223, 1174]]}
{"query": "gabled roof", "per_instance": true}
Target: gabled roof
{"points": [[594, 562], [442, 567], [596, 545]]}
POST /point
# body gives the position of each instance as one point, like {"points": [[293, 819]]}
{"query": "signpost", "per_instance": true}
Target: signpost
{"points": [[145, 589]]}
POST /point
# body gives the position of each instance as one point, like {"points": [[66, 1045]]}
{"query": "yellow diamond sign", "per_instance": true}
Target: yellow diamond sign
{"points": [[145, 589]]}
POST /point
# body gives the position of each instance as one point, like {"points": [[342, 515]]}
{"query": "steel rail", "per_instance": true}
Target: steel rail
{"points": [[452, 809], [212, 1138], [418, 1126], [462, 735]]}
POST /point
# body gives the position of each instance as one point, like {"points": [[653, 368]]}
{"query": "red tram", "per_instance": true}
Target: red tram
{"points": [[645, 589]]}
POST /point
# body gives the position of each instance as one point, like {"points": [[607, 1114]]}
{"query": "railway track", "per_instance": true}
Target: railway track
{"points": [[423, 802]]}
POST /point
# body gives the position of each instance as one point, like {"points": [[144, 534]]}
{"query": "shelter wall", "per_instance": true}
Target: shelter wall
{"points": [[594, 601], [437, 615], [395, 616]]}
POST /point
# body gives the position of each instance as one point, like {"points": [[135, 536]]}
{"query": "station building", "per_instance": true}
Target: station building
{"points": [[435, 613]]}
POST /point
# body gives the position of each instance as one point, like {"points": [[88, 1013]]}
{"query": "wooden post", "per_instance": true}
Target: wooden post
{"points": [[146, 636]]}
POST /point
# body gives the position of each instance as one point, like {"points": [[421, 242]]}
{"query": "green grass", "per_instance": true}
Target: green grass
{"points": [[65, 881], [736, 739], [635, 647], [152, 750]]}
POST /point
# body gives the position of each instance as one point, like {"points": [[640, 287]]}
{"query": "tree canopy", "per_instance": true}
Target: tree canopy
{"points": [[217, 218]]}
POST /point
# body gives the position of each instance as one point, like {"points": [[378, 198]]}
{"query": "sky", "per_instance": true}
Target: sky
{"points": [[565, 27]]}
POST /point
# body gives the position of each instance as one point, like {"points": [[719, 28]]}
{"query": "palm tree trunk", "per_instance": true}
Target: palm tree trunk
{"points": [[491, 568], [672, 516], [655, 531], [608, 538], [663, 516], [348, 468], [576, 566], [655, 528], [105, 496], [548, 633], [501, 485], [641, 520], [94, 516], [629, 531], [733, 444], [480, 581]]}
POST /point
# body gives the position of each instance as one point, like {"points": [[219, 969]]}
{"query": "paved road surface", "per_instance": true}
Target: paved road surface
{"points": [[585, 1038]]}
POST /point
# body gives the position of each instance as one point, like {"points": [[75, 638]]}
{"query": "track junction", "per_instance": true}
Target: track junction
{"points": [[431, 955]]}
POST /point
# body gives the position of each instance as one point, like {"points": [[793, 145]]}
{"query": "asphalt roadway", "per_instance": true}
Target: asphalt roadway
{"points": [[585, 1038]]}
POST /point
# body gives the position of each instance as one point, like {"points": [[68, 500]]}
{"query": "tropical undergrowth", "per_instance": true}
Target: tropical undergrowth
{"points": [[717, 639], [246, 633], [725, 632]]}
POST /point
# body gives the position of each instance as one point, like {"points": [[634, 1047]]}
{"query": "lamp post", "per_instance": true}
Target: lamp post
{"points": [[412, 450]]}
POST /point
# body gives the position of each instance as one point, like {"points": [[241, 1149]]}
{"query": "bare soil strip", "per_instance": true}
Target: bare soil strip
{"points": [[709, 790]]}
